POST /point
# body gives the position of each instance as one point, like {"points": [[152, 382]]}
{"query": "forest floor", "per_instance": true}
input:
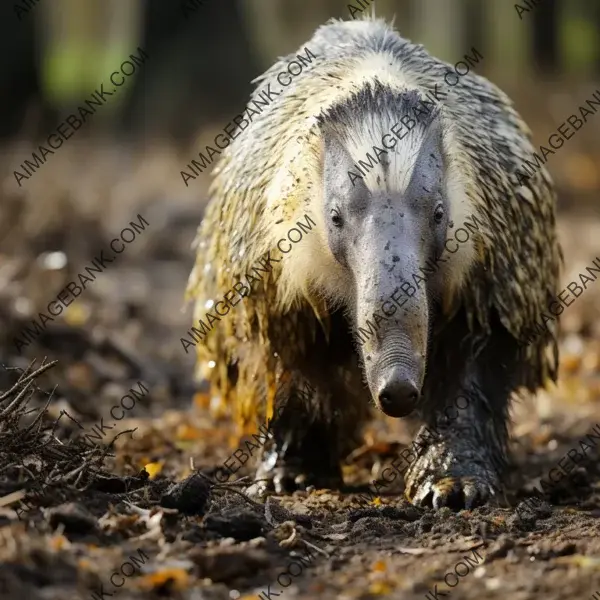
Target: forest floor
{"points": [[141, 518]]}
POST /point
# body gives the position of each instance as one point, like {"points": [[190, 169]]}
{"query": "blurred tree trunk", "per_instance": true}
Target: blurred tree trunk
{"points": [[443, 35], [596, 25], [579, 37], [544, 21], [200, 67], [17, 74], [509, 52], [473, 16]]}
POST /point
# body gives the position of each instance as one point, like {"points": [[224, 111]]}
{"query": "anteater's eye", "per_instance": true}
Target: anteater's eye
{"points": [[438, 214], [336, 217]]}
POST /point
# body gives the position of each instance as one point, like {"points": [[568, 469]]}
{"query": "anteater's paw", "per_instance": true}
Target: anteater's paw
{"points": [[280, 480], [453, 492], [287, 478], [451, 473]]}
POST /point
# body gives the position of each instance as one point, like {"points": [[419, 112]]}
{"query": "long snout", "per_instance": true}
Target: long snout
{"points": [[392, 326]]}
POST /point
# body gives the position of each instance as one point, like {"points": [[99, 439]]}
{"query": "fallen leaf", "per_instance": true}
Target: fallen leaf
{"points": [[179, 577], [201, 400], [570, 362], [77, 314], [58, 542], [153, 469], [184, 445], [579, 560], [379, 566], [186, 432], [380, 588]]}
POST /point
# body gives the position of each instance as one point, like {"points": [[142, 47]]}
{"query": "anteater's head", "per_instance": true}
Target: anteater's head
{"points": [[391, 197]]}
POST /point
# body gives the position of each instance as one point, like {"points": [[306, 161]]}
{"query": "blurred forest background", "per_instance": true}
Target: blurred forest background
{"points": [[126, 327], [204, 54], [202, 57]]}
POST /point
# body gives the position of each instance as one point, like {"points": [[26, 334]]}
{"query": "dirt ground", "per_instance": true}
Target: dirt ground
{"points": [[143, 518]]}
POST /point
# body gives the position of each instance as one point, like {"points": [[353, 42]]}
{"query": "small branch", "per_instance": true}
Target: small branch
{"points": [[33, 375]]}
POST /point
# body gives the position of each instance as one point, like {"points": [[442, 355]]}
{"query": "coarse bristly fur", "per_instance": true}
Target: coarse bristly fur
{"points": [[293, 327]]}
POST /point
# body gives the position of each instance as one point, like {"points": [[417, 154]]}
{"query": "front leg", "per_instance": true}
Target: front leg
{"points": [[314, 430], [461, 458], [466, 409]]}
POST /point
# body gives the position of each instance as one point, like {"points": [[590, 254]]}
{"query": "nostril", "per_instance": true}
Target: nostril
{"points": [[398, 390], [398, 397], [384, 398]]}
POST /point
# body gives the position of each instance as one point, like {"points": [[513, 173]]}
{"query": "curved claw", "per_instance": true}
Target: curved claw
{"points": [[477, 493], [454, 492], [286, 479], [279, 480], [257, 490]]}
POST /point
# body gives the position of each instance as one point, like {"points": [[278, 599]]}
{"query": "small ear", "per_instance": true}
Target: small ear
{"points": [[337, 163], [429, 164]]}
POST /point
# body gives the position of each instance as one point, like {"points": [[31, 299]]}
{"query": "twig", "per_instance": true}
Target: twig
{"points": [[316, 548], [12, 497], [33, 375], [226, 487], [17, 400]]}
